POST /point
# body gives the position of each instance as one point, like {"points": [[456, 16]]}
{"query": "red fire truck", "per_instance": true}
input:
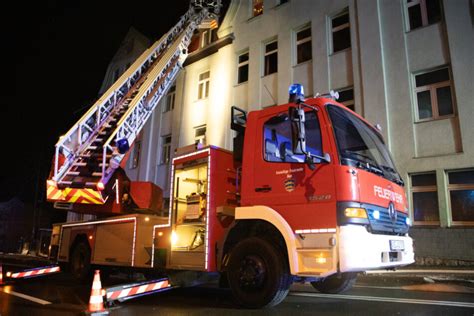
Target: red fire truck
{"points": [[310, 193]]}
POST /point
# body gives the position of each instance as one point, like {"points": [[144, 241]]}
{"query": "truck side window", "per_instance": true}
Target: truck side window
{"points": [[277, 145]]}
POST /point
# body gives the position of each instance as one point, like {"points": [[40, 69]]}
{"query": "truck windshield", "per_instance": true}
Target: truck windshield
{"points": [[361, 146]]}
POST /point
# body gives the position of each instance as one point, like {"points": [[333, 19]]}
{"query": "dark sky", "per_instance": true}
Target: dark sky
{"points": [[55, 54]]}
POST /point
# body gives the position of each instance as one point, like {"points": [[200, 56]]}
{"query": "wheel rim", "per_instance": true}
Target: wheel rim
{"points": [[252, 272]]}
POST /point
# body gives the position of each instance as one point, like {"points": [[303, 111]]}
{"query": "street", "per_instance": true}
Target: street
{"points": [[59, 295]]}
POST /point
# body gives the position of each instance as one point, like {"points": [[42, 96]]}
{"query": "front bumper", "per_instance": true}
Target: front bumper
{"points": [[360, 250]]}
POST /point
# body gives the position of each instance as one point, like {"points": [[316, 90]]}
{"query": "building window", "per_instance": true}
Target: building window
{"points": [[461, 196], [257, 7], [203, 87], [341, 31], [303, 45], [135, 155], [243, 68], [422, 13], [206, 38], [271, 58], [425, 198], [165, 149], [169, 101], [346, 97], [433, 95], [200, 134]]}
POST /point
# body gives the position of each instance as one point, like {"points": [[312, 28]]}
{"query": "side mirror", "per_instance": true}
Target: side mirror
{"points": [[298, 136]]}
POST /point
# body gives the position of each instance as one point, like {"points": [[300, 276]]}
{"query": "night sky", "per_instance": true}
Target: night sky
{"points": [[55, 57]]}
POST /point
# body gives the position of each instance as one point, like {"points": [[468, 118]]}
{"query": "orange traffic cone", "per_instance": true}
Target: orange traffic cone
{"points": [[96, 301]]}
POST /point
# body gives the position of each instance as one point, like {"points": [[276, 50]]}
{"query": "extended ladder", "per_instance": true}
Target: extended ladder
{"points": [[87, 156]]}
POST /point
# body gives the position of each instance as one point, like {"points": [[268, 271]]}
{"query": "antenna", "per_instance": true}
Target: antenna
{"points": [[271, 96]]}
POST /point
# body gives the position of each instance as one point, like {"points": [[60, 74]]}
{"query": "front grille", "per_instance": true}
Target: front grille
{"points": [[385, 225]]}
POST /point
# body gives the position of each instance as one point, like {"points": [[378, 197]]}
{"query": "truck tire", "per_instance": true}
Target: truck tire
{"points": [[80, 262], [258, 274], [336, 283]]}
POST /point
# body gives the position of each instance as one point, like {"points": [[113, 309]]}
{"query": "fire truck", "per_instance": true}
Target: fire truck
{"points": [[309, 193]]}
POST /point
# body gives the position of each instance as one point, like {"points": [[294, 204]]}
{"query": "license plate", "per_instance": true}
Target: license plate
{"points": [[397, 245]]}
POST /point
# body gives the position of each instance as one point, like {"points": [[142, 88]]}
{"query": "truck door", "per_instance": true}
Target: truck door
{"points": [[283, 181]]}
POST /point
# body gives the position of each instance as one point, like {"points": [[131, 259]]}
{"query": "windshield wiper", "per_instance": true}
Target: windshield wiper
{"points": [[398, 180], [367, 162]]}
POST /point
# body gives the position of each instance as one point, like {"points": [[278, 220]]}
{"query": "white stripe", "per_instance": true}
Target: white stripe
{"points": [[124, 293], [41, 271], [28, 273], [422, 271], [142, 289], [157, 285], [386, 299], [26, 297], [95, 299]]}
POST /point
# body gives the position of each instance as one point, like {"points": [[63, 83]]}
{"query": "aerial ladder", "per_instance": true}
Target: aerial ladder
{"points": [[88, 155]]}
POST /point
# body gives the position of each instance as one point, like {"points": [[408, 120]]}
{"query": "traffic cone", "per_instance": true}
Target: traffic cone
{"points": [[1, 274], [96, 301]]}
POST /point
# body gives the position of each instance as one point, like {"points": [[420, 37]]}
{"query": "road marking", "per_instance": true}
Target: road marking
{"points": [[24, 296], [420, 271], [386, 299]]}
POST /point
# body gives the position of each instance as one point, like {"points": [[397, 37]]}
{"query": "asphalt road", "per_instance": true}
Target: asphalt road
{"points": [[59, 295]]}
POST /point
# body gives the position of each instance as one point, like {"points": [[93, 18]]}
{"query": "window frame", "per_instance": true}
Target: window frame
{"points": [[170, 99], [266, 54], [203, 85], [348, 103], [432, 88], [135, 154], [424, 14], [165, 156], [421, 189], [243, 64], [339, 28], [457, 187], [201, 138], [254, 10], [319, 141], [303, 41]]}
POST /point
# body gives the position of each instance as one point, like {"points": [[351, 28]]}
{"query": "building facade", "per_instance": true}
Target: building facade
{"points": [[406, 65]]}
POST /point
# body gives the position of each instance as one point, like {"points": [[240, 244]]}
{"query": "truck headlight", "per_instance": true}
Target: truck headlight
{"points": [[355, 212]]}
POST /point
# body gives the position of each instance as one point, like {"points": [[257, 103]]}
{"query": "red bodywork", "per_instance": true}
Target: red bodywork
{"points": [[312, 202]]}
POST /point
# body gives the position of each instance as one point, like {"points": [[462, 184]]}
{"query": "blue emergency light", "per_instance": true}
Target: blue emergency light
{"points": [[296, 93], [122, 145]]}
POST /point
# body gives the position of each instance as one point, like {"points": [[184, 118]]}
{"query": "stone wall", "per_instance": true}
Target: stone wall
{"points": [[435, 246]]}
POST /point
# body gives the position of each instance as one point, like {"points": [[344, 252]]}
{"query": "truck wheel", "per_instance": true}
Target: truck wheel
{"points": [[80, 262], [336, 283], [258, 274]]}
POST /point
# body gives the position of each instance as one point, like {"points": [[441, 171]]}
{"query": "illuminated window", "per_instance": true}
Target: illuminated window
{"points": [[433, 95], [206, 37], [170, 98], [422, 13], [341, 31], [425, 198], [303, 45], [200, 134], [165, 149], [203, 86], [257, 7], [346, 97], [135, 155], [243, 68], [461, 196], [271, 58]]}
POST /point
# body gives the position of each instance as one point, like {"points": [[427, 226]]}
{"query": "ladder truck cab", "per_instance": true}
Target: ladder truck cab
{"points": [[310, 193]]}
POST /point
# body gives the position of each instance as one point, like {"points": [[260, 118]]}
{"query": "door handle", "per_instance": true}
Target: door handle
{"points": [[263, 189]]}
